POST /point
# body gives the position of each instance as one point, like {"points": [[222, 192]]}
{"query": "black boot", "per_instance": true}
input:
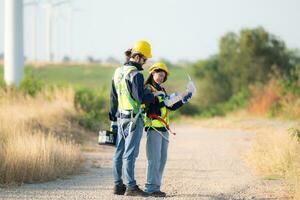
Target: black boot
{"points": [[119, 189], [135, 191], [158, 194]]}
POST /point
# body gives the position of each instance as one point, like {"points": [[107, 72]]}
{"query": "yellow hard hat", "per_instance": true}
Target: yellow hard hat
{"points": [[161, 66], [142, 47]]}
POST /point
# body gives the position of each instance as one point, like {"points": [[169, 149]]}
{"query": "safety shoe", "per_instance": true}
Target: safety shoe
{"points": [[119, 189], [157, 194], [135, 191]]}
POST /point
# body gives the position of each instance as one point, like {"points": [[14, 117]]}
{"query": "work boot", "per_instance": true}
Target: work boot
{"points": [[157, 194], [119, 189], [135, 191]]}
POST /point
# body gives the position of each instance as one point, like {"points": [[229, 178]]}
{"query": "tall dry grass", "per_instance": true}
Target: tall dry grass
{"points": [[269, 100], [263, 98], [290, 105], [277, 153], [31, 150]]}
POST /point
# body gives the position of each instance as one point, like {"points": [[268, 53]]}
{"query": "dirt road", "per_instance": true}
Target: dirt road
{"points": [[202, 164]]}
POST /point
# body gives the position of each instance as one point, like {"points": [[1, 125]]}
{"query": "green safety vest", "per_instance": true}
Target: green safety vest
{"points": [[125, 101], [163, 111]]}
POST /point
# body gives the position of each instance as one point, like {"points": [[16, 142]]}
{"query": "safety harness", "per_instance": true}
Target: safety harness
{"points": [[159, 118], [150, 118]]}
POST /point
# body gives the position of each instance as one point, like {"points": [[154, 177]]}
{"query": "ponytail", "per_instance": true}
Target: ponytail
{"points": [[128, 54]]}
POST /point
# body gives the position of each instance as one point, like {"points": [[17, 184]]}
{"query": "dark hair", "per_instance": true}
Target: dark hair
{"points": [[128, 53], [150, 80]]}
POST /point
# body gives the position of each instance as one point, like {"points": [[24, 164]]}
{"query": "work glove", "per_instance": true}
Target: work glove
{"points": [[114, 127], [187, 97]]}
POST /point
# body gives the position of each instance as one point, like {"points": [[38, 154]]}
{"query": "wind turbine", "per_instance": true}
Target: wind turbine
{"points": [[13, 42], [69, 28], [50, 7], [35, 4]]}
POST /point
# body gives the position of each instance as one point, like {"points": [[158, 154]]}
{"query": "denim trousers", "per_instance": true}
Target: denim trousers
{"points": [[156, 150], [127, 150]]}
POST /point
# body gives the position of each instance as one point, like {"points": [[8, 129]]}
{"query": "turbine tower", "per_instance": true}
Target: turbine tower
{"points": [[50, 6], [71, 10], [35, 4], [13, 42]]}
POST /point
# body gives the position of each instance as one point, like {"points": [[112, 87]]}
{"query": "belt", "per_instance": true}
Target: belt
{"points": [[126, 114], [121, 115]]}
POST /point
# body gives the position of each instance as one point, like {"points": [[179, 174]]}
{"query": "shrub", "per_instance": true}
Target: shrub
{"points": [[239, 100], [212, 111], [188, 109], [92, 107], [30, 85]]}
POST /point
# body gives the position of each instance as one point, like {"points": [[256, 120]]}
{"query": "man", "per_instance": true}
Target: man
{"points": [[126, 99]]}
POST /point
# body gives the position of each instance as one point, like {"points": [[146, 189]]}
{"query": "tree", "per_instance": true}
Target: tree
{"points": [[90, 59], [66, 59], [244, 59], [248, 57], [214, 85], [112, 60]]}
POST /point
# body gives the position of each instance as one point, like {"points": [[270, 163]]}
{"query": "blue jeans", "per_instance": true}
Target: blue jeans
{"points": [[127, 150], [157, 150]]}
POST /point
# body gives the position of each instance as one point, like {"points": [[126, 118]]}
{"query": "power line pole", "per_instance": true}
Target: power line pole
{"points": [[13, 42]]}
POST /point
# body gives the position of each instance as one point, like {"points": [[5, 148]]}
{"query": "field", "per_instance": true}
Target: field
{"points": [[96, 76]]}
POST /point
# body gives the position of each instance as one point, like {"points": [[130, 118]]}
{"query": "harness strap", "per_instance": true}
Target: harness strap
{"points": [[159, 118], [159, 132]]}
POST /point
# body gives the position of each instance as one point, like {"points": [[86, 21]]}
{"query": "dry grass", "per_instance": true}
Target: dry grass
{"points": [[277, 153], [263, 98], [268, 100], [290, 106], [30, 148]]}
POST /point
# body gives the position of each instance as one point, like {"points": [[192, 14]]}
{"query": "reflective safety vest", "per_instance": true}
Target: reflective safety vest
{"points": [[163, 111], [125, 100]]}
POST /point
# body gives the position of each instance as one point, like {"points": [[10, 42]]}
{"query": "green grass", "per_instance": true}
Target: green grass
{"points": [[96, 76], [92, 76], [1, 72]]}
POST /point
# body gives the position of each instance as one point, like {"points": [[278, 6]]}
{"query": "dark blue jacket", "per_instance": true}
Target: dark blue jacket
{"points": [[135, 88]]}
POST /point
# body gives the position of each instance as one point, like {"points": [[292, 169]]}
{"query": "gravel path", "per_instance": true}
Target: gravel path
{"points": [[202, 164]]}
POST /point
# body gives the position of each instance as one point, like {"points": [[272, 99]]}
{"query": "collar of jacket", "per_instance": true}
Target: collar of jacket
{"points": [[137, 65], [154, 84]]}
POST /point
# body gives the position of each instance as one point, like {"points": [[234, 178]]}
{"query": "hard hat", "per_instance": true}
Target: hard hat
{"points": [[142, 47], [161, 66]]}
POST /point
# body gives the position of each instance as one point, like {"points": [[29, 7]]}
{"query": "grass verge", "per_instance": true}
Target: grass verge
{"points": [[36, 143]]}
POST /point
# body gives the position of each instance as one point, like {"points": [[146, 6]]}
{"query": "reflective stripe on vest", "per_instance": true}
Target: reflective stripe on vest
{"points": [[163, 111], [125, 101]]}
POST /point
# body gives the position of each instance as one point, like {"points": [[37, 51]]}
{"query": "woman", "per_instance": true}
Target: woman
{"points": [[157, 127]]}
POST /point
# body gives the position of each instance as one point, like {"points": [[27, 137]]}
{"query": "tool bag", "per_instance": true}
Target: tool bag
{"points": [[107, 138]]}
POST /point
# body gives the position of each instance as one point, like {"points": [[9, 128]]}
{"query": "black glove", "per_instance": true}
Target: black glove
{"points": [[114, 127], [187, 97]]}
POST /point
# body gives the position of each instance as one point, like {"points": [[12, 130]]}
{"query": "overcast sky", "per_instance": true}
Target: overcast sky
{"points": [[176, 29]]}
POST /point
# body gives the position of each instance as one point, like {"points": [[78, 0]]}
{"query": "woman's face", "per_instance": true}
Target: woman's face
{"points": [[159, 77]]}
